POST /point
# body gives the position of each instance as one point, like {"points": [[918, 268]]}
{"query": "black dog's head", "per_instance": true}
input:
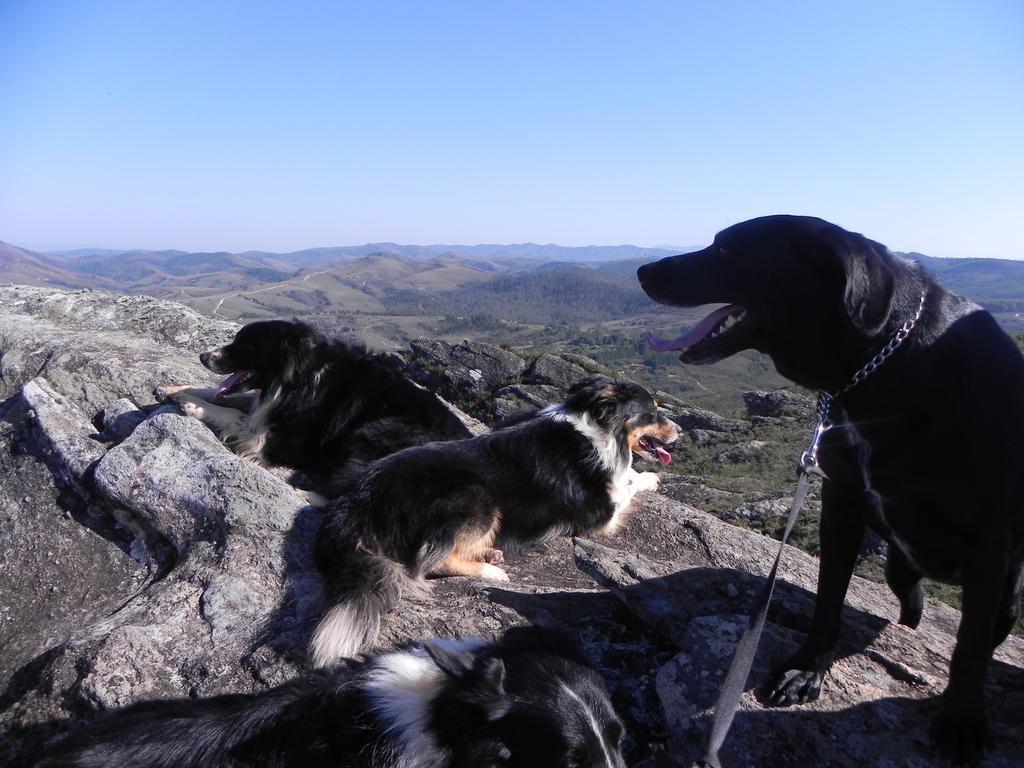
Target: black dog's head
{"points": [[621, 407], [809, 294], [530, 700], [261, 352]]}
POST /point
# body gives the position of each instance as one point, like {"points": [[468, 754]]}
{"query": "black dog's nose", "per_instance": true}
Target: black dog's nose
{"points": [[643, 272], [204, 358]]}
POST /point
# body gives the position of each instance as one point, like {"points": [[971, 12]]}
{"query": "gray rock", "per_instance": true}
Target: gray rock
{"points": [[691, 418], [120, 419], [779, 403], [589, 364], [879, 699], [691, 491], [464, 373], [475, 426], [159, 320], [65, 437], [761, 509], [63, 565], [181, 481], [518, 398], [94, 348], [554, 371]]}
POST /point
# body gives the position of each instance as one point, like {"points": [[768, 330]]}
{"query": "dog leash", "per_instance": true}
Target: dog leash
{"points": [[807, 468], [736, 678]]}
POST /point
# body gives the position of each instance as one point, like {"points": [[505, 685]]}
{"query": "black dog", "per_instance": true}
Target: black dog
{"points": [[446, 508], [324, 407], [527, 699], [926, 448]]}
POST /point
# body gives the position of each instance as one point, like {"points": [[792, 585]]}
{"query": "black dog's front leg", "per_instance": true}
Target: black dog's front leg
{"points": [[905, 582], [842, 529]]}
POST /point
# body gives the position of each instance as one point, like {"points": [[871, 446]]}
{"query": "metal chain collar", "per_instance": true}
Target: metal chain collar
{"points": [[809, 458]]}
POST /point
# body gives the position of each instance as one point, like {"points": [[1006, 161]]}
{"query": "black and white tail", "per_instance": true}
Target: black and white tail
{"points": [[360, 588]]}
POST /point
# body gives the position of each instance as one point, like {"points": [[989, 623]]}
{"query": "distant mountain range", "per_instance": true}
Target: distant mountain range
{"points": [[524, 282], [313, 257]]}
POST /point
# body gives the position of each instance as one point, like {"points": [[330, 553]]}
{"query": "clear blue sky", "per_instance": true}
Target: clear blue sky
{"points": [[277, 126]]}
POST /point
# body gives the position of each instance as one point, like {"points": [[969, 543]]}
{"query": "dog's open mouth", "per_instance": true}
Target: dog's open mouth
{"points": [[232, 383], [654, 448], [720, 334]]}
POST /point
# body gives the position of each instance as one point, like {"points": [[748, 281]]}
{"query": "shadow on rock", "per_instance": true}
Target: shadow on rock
{"points": [[288, 630]]}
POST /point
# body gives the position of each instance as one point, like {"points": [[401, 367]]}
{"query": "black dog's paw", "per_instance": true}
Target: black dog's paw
{"points": [[794, 686], [911, 607], [960, 738]]}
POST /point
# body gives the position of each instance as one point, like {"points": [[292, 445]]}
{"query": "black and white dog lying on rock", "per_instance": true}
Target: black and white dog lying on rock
{"points": [[314, 404], [926, 447], [527, 699], [450, 508]]}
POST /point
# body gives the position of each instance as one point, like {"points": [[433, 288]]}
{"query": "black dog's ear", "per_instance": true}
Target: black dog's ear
{"points": [[599, 396], [458, 662], [487, 672], [297, 352], [454, 663], [870, 285], [477, 683]]}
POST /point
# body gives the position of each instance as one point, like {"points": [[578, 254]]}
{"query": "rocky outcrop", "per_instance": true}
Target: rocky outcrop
{"points": [[464, 373], [777, 404], [490, 382], [699, 421], [554, 371], [142, 559], [519, 398], [94, 348]]}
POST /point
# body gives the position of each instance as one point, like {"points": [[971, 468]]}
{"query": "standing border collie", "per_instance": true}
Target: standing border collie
{"points": [[449, 508], [527, 699], [324, 407]]}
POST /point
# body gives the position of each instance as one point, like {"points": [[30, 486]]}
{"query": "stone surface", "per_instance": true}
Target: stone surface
{"points": [[781, 402], [465, 373], [520, 398], [555, 371], [64, 436], [139, 558], [879, 699], [94, 348], [697, 419]]}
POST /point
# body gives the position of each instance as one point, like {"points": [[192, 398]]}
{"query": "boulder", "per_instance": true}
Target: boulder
{"points": [[696, 419], [778, 403], [465, 373], [94, 348], [64, 436], [554, 371], [519, 398]]}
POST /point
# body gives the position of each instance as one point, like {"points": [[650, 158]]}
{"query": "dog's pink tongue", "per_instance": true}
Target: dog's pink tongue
{"points": [[229, 384], [664, 456], [691, 337]]}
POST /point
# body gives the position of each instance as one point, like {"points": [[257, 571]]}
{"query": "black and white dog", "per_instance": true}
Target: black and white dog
{"points": [[321, 406], [526, 699], [450, 508], [926, 445]]}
